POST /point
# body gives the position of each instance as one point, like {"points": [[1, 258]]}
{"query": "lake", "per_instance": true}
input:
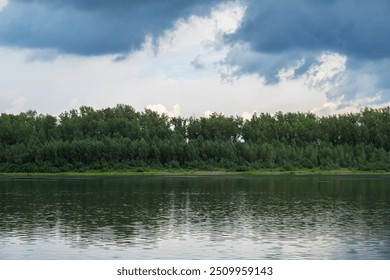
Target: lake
{"points": [[195, 217]]}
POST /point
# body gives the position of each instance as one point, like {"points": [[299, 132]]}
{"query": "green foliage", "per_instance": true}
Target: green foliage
{"points": [[121, 138]]}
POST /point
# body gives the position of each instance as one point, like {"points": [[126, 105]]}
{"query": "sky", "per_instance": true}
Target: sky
{"points": [[195, 57]]}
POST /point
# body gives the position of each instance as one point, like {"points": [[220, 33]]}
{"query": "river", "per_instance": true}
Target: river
{"points": [[195, 217]]}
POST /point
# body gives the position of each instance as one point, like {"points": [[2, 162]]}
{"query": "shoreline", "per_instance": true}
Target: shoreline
{"points": [[185, 172]]}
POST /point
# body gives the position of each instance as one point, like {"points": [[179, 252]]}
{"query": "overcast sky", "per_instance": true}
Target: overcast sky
{"points": [[190, 58]]}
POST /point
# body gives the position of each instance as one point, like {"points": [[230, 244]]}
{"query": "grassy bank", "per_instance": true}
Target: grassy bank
{"points": [[195, 172]]}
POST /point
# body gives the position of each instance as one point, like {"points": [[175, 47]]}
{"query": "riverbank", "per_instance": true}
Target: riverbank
{"points": [[192, 172]]}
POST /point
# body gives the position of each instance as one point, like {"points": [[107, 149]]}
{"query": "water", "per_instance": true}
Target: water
{"points": [[204, 217]]}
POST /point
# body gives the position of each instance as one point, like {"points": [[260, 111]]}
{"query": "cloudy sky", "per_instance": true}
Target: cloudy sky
{"points": [[195, 57]]}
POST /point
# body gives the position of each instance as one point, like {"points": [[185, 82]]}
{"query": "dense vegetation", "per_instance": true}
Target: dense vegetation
{"points": [[121, 138]]}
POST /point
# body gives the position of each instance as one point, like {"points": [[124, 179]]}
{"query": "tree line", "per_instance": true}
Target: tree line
{"points": [[122, 138]]}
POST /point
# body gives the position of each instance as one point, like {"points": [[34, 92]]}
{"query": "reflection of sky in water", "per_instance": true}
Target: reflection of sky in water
{"points": [[196, 218]]}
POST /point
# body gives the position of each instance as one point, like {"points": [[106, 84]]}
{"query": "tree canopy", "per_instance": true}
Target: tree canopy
{"points": [[122, 138]]}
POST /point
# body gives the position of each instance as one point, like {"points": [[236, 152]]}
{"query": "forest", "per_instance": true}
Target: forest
{"points": [[121, 138]]}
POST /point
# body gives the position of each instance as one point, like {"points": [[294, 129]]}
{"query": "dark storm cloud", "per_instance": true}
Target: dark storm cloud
{"points": [[352, 27], [268, 64], [91, 27], [277, 34]]}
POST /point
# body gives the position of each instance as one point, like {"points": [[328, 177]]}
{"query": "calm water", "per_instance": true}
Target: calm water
{"points": [[249, 217]]}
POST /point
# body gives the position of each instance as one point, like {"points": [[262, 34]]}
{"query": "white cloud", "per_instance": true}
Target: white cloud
{"points": [[227, 17], [247, 115], [3, 4], [159, 108], [341, 105], [288, 73], [327, 73], [346, 90]]}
